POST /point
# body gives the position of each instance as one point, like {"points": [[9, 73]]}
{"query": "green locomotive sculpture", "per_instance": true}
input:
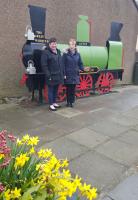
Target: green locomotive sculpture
{"points": [[103, 64]]}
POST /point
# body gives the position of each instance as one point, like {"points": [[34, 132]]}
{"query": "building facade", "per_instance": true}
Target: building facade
{"points": [[61, 22]]}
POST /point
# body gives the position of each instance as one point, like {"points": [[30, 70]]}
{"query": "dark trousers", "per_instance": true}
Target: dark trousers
{"points": [[52, 93], [70, 93]]}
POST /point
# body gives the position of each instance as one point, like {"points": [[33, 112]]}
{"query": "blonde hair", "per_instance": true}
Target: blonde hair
{"points": [[72, 40]]}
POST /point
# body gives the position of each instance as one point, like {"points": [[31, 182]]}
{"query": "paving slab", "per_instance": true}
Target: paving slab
{"points": [[99, 135], [35, 113], [125, 102], [87, 137], [126, 190], [136, 127], [125, 120], [85, 119], [67, 125], [45, 133], [129, 137], [118, 107], [45, 116], [65, 148], [120, 152], [97, 169], [109, 128], [107, 198], [68, 112], [21, 125], [125, 88], [132, 113], [102, 113], [13, 112], [92, 104], [7, 106], [95, 115]]}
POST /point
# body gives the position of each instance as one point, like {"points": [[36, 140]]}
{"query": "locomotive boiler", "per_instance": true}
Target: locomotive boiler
{"points": [[104, 65]]}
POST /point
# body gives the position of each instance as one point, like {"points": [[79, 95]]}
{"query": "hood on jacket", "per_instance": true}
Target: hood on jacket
{"points": [[68, 49]]}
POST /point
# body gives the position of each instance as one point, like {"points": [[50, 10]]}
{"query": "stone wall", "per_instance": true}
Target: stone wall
{"points": [[62, 17]]}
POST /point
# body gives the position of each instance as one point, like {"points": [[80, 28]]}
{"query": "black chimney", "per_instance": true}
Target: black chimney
{"points": [[38, 18]]}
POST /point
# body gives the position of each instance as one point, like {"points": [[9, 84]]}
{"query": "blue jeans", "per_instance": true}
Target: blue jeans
{"points": [[52, 93]]}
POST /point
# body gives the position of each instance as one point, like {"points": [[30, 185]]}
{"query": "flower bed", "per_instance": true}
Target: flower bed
{"points": [[27, 173]]}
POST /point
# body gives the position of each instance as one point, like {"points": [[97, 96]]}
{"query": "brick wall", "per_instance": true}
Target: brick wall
{"points": [[62, 17]]}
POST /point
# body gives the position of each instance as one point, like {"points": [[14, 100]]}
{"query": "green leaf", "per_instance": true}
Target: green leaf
{"points": [[42, 196], [27, 195]]}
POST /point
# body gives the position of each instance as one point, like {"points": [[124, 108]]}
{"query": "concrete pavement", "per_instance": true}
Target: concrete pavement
{"points": [[99, 136]]}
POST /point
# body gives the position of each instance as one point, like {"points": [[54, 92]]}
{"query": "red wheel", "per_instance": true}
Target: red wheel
{"points": [[45, 93], [104, 83], [23, 79], [61, 93], [83, 89]]}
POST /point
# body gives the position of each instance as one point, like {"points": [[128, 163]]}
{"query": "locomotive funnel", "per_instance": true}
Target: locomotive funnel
{"points": [[115, 30], [38, 18]]}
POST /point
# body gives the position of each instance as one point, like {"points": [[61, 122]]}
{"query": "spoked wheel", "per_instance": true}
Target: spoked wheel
{"points": [[85, 86], [61, 93], [105, 83], [45, 93]]}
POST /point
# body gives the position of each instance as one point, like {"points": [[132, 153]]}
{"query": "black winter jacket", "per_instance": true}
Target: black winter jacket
{"points": [[52, 67], [73, 64]]}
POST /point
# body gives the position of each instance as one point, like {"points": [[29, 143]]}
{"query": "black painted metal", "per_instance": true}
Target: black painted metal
{"points": [[115, 30], [38, 18]]}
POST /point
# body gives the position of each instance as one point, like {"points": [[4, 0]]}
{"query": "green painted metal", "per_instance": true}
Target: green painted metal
{"points": [[83, 29], [94, 56], [91, 55], [115, 55]]}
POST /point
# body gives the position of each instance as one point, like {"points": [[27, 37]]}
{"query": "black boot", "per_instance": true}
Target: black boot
{"points": [[68, 104], [71, 105]]}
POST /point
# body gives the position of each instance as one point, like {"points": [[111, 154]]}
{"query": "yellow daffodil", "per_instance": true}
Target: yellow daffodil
{"points": [[25, 138], [46, 169], [41, 153], [32, 150], [1, 156], [41, 171], [44, 153], [52, 162], [66, 174], [62, 198], [21, 160], [67, 189], [38, 167], [84, 187], [7, 195], [33, 141], [92, 194], [19, 142], [77, 181], [65, 163], [16, 193], [88, 192]]}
